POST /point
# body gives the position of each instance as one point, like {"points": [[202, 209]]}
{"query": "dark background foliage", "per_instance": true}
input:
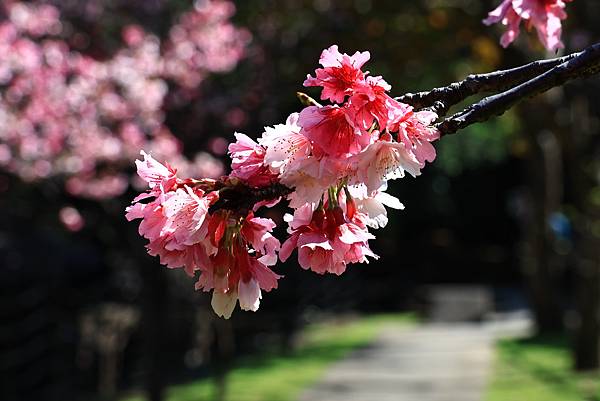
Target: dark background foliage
{"points": [[468, 218]]}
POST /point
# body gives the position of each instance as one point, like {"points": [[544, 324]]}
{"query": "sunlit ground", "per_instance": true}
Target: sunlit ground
{"points": [[273, 377], [539, 369]]}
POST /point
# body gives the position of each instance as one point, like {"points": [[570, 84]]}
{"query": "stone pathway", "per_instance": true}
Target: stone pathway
{"points": [[433, 362]]}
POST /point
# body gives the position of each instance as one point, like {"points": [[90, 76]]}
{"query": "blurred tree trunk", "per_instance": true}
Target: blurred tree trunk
{"points": [[155, 327], [587, 334], [582, 145], [225, 347], [154, 307], [539, 262]]}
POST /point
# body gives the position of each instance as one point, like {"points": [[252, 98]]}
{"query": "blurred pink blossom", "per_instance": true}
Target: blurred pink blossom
{"points": [[66, 114], [71, 218], [544, 15]]}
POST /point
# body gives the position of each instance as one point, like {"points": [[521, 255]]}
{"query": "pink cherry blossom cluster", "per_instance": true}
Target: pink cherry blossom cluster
{"points": [[66, 114], [544, 15], [335, 160]]}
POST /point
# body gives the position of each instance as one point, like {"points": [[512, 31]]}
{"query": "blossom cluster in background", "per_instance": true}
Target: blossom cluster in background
{"points": [[544, 15], [67, 114], [336, 159]]}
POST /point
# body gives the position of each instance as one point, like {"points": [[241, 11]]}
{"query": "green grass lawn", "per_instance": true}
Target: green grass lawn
{"points": [[273, 377], [539, 369]]}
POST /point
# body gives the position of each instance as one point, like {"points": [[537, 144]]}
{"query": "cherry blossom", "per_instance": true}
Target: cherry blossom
{"points": [[335, 162], [416, 133], [183, 234], [332, 129], [370, 102], [340, 73], [160, 178], [373, 205], [544, 15], [239, 269], [248, 161], [330, 239], [175, 220], [310, 178], [284, 145], [384, 160]]}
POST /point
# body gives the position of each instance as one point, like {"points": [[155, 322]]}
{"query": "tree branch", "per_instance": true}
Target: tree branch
{"points": [[578, 65], [242, 197], [514, 85], [441, 99]]}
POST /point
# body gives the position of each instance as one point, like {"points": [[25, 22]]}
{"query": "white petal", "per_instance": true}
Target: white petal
{"points": [[389, 200], [249, 295], [224, 303]]}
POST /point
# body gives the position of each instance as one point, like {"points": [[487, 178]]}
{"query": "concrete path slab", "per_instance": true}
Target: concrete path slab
{"points": [[434, 362]]}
